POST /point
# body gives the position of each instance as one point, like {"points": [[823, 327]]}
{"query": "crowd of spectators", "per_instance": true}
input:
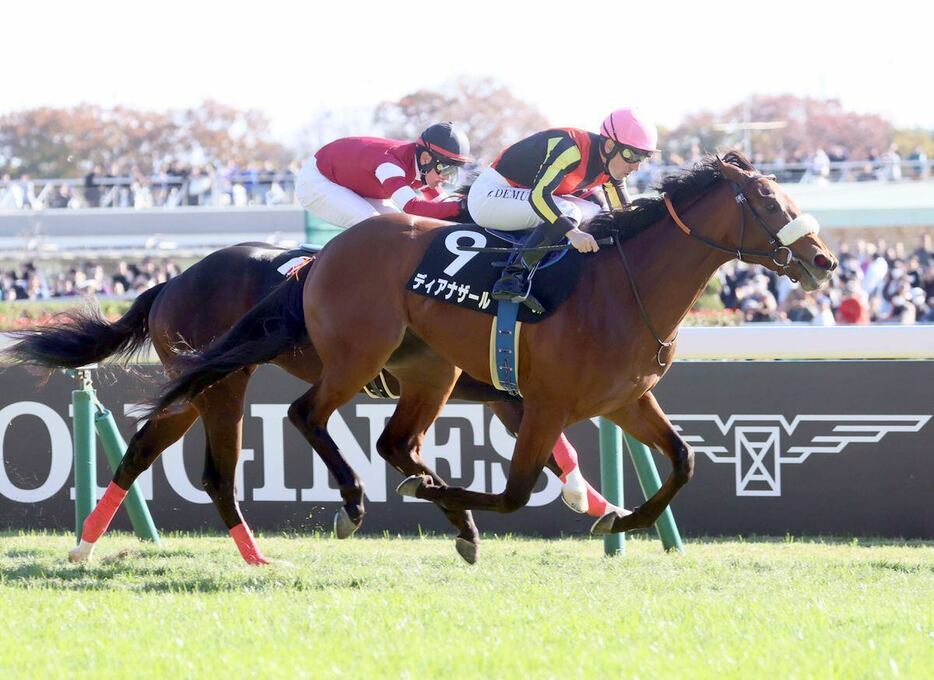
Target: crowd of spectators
{"points": [[837, 164], [227, 183], [875, 283], [172, 184], [122, 279]]}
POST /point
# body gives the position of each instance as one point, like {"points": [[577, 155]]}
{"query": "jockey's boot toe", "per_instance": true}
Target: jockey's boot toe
{"points": [[511, 286]]}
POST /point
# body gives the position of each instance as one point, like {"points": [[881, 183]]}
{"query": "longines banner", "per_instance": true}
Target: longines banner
{"points": [[801, 448]]}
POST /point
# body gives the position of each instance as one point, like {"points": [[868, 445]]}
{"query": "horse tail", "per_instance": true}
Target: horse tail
{"points": [[273, 326], [81, 337]]}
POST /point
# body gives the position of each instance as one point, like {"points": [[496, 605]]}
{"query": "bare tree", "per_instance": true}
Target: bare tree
{"points": [[490, 114]]}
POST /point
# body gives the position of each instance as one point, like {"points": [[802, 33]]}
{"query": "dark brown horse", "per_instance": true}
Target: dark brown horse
{"points": [[600, 354], [192, 310]]}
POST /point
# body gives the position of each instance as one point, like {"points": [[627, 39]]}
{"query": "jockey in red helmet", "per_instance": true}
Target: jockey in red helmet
{"points": [[354, 178], [538, 181]]}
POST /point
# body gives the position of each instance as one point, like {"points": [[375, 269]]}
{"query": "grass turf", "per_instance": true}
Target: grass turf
{"points": [[408, 607]]}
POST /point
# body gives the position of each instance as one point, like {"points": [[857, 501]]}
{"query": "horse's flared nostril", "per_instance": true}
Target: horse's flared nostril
{"points": [[824, 262]]}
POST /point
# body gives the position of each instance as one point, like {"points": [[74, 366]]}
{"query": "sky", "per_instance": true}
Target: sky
{"points": [[574, 61]]}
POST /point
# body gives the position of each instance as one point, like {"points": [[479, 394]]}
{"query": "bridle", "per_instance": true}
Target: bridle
{"points": [[793, 230], [780, 254]]}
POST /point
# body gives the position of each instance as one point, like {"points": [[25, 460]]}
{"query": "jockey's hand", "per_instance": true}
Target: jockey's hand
{"points": [[582, 241]]}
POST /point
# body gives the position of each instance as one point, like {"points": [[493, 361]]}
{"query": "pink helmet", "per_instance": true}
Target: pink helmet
{"points": [[632, 128]]}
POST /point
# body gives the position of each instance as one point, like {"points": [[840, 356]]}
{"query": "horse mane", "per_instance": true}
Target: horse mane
{"points": [[681, 186]]}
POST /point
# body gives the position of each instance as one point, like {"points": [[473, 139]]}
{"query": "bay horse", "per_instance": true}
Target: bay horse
{"points": [[599, 354], [193, 309]]}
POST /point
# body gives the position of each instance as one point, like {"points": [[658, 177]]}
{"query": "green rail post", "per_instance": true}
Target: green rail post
{"points": [[611, 479], [85, 449], [650, 482], [84, 403], [115, 448]]}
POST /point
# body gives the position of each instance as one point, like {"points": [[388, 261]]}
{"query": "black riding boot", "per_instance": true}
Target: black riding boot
{"points": [[513, 285]]}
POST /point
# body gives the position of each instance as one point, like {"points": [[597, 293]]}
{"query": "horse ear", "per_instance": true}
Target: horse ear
{"points": [[729, 171]]}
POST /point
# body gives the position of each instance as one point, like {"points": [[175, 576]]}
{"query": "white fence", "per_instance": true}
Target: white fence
{"points": [[763, 342], [770, 341]]}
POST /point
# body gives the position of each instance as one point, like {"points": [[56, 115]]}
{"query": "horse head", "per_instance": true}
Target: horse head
{"points": [[782, 238]]}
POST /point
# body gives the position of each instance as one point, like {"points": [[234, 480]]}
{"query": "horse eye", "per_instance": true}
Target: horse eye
{"points": [[771, 206]]}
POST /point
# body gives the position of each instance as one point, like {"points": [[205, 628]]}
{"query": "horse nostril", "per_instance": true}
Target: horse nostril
{"points": [[825, 262]]}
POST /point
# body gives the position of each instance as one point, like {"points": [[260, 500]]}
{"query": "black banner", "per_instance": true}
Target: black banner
{"points": [[781, 447]]}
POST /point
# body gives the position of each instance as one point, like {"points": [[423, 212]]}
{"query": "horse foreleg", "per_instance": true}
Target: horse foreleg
{"points": [[424, 391], [141, 452], [576, 492], [537, 434], [646, 421]]}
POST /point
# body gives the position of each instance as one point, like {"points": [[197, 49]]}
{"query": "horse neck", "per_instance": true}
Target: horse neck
{"points": [[671, 269]]}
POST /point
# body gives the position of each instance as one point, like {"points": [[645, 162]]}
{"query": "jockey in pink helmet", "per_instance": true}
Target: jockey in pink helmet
{"points": [[538, 183]]}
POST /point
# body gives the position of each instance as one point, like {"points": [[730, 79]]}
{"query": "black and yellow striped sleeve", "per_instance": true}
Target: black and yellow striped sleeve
{"points": [[561, 157], [616, 195]]}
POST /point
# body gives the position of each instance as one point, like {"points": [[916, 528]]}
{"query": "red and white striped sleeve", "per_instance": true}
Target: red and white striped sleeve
{"points": [[404, 197]]}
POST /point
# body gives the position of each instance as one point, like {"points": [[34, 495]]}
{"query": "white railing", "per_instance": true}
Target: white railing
{"points": [[769, 341], [764, 342]]}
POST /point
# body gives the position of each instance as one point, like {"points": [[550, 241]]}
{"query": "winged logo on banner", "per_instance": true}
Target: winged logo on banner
{"points": [[758, 445]]}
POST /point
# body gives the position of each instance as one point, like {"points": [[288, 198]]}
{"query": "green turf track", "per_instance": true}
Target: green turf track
{"points": [[408, 607]]}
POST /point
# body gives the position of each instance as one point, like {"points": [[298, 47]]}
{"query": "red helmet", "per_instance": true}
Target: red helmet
{"points": [[632, 128]]}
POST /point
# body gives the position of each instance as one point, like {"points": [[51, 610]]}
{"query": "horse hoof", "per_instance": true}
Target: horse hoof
{"points": [[409, 486], [605, 524], [467, 549], [81, 552], [575, 501], [344, 527]]}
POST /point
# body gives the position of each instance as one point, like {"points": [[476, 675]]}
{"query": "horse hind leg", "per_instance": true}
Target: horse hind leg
{"points": [[142, 451], [345, 372], [221, 410], [422, 398], [350, 515]]}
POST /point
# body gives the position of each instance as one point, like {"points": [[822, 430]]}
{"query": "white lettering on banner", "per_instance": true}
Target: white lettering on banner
{"points": [[504, 443], [432, 450], [144, 481], [371, 469], [246, 456], [273, 488], [60, 440], [173, 463]]}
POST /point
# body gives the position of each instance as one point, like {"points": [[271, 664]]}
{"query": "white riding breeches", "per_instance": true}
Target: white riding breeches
{"points": [[333, 203], [495, 204]]}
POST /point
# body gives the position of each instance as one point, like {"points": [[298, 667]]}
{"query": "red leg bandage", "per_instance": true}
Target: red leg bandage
{"points": [[246, 544], [99, 519], [596, 504], [565, 456]]}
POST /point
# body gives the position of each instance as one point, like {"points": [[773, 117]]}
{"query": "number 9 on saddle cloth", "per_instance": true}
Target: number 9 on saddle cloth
{"points": [[451, 273]]}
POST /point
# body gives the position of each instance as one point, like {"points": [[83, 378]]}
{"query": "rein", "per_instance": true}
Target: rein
{"points": [[645, 315]]}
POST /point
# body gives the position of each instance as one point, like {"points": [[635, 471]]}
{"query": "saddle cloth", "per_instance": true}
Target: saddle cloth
{"points": [[464, 278]]}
